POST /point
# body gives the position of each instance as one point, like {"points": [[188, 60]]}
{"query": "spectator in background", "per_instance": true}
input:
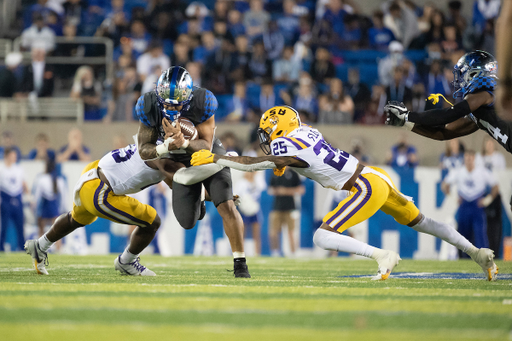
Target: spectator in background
{"points": [[74, 11], [418, 97], [288, 22], [140, 38], [472, 183], [452, 41], [283, 188], [426, 18], [39, 76], [398, 90], [259, 65], [242, 57], [114, 27], [163, 27], [395, 58], [256, 20], [453, 157], [221, 10], [74, 150], [125, 92], [181, 54], [207, 48], [42, 150], [54, 22], [402, 21], [304, 97], [322, 34], [235, 25], [238, 108], [402, 155], [219, 69], [436, 82], [335, 15], [287, 68], [273, 41], [125, 48], [9, 83], [195, 70], [249, 189], [89, 90], [487, 40], [199, 18], [358, 91], [455, 17], [379, 36], [12, 186], [68, 49], [38, 34], [372, 115], [484, 10], [322, 69], [154, 57], [220, 30], [357, 151], [267, 96], [352, 36], [494, 161], [335, 107], [230, 142], [50, 200], [8, 143]]}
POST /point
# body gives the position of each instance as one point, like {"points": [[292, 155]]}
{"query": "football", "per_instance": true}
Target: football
{"points": [[188, 128]]}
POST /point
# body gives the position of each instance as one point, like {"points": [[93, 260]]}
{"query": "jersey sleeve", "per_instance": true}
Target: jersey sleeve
{"points": [[210, 105], [287, 146], [147, 111]]}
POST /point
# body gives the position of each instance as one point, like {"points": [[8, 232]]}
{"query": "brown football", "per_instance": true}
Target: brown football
{"points": [[188, 129]]}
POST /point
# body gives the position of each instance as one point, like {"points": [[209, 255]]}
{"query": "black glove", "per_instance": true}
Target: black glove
{"points": [[396, 113]]}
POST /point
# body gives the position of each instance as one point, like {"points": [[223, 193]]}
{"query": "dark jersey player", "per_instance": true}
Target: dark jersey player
{"points": [[174, 97], [475, 78]]}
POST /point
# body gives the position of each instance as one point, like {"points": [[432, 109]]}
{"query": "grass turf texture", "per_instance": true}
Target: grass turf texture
{"points": [[192, 298]]}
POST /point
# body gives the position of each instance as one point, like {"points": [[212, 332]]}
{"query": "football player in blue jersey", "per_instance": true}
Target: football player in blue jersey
{"points": [[174, 97], [475, 79]]}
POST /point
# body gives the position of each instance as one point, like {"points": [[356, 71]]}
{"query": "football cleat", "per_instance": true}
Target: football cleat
{"points": [[387, 261], [132, 269], [240, 268], [39, 257], [485, 258]]}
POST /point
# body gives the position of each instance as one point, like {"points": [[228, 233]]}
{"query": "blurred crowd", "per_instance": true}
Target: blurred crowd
{"points": [[322, 57]]}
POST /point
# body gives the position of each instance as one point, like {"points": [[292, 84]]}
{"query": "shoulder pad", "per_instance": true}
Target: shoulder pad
{"points": [[203, 106]]}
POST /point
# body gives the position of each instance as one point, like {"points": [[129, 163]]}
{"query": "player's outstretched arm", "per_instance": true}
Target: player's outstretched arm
{"points": [[246, 163], [461, 127]]}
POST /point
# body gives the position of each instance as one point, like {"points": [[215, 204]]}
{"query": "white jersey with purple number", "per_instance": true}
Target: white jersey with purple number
{"points": [[126, 172], [328, 166]]}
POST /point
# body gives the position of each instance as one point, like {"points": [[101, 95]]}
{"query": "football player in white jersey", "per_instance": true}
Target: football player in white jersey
{"points": [[101, 192], [289, 143]]}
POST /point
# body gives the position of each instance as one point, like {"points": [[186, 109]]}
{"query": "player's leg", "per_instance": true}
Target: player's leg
{"points": [[367, 197], [186, 204], [276, 223], [256, 236], [290, 224], [221, 193]]}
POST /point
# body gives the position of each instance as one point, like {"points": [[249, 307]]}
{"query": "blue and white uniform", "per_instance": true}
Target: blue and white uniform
{"points": [[49, 204], [471, 187], [11, 207]]}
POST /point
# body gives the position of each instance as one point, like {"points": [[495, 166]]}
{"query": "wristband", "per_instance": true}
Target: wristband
{"points": [[408, 125], [185, 144], [163, 148]]}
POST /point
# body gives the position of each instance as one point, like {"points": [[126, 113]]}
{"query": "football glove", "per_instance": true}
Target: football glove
{"points": [[396, 115], [279, 171], [202, 157]]}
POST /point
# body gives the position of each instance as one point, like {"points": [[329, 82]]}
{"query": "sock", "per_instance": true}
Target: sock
{"points": [[44, 243], [238, 255], [446, 233], [128, 257], [333, 241]]}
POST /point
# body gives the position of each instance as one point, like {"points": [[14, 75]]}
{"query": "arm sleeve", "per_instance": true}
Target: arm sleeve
{"points": [[285, 146], [438, 117]]}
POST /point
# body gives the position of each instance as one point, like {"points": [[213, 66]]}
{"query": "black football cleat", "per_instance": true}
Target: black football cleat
{"points": [[240, 268]]}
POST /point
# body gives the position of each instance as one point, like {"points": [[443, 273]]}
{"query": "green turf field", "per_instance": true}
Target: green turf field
{"points": [[192, 298]]}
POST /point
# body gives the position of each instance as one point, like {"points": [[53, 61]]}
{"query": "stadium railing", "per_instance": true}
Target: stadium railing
{"points": [[23, 109], [107, 59]]}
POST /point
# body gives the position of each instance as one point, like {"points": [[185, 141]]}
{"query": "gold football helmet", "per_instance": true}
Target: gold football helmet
{"points": [[277, 122]]}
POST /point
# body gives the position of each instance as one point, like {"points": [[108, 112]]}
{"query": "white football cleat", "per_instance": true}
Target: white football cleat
{"points": [[387, 261], [40, 258], [485, 258], [132, 269]]}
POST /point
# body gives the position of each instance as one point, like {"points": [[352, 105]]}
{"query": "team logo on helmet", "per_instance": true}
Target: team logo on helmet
{"points": [[277, 122]]}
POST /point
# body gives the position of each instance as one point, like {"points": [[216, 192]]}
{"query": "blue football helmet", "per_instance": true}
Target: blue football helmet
{"points": [[475, 70], [174, 87]]}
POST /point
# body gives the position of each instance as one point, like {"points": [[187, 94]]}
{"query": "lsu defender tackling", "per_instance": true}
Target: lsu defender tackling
{"points": [[289, 143]]}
